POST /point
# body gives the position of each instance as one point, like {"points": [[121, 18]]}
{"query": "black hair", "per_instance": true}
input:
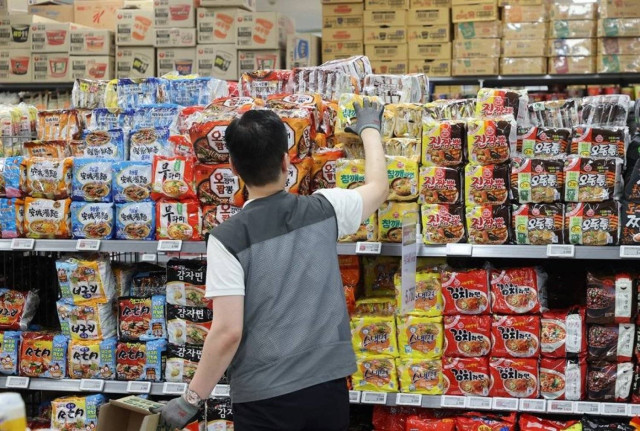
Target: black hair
{"points": [[257, 141]]}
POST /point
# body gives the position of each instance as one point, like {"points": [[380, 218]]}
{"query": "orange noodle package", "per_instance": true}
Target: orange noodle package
{"points": [[178, 220], [17, 308], [219, 185], [214, 215], [299, 177], [514, 378], [45, 178], [300, 129], [47, 219], [63, 125], [48, 149], [208, 138], [323, 172], [312, 103], [465, 291], [530, 422], [173, 178], [486, 422], [264, 83]]}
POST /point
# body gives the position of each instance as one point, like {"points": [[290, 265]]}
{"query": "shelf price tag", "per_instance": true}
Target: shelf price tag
{"points": [[174, 388], [354, 397], [480, 403], [221, 391], [453, 402], [374, 398], [527, 405], [633, 410], [588, 408], [23, 243], [561, 250], [409, 400], [560, 407], [17, 382], [509, 404], [169, 245], [629, 252], [88, 245], [613, 409], [368, 247], [148, 257], [139, 387], [91, 385], [459, 249]]}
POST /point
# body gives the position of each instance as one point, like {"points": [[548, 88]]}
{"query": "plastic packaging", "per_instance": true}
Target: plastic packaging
{"points": [[443, 223], [538, 224], [144, 144], [182, 362], [611, 343], [93, 359], [188, 325], [82, 280], [17, 308], [9, 350], [563, 379], [488, 224], [589, 179], [43, 354], [563, 333], [89, 321], [467, 336], [465, 291], [466, 376], [140, 360], [420, 376], [514, 378], [178, 220], [374, 336], [102, 144], [489, 141], [420, 337], [609, 382], [76, 413], [592, 223], [93, 220], [486, 184], [47, 219], [141, 318], [375, 373]]}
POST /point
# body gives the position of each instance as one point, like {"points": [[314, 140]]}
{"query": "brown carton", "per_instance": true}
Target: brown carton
{"points": [[429, 33], [342, 21], [467, 2], [478, 30], [219, 61], [386, 52], [426, 4], [342, 34], [303, 50], [57, 12], [329, 57], [343, 9], [393, 67], [523, 66], [375, 18], [475, 66], [93, 67], [571, 65], [523, 48], [618, 64], [619, 45], [261, 30], [249, 5], [430, 16], [129, 413], [386, 4], [259, 59], [385, 35], [571, 47], [519, 2], [524, 14], [524, 30], [217, 26], [474, 48], [422, 51], [347, 47], [619, 27], [16, 65], [475, 12], [564, 29], [431, 67], [619, 8], [573, 11], [97, 14]]}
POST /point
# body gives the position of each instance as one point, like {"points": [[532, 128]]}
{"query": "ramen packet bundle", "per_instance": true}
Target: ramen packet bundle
{"points": [[330, 83], [123, 274], [323, 171], [264, 83], [186, 283], [466, 376], [47, 219], [489, 141], [173, 178], [417, 423], [43, 354], [368, 231], [378, 276], [406, 119], [611, 343], [17, 308], [349, 173], [188, 325], [467, 336], [92, 220], [135, 220], [447, 109], [111, 119], [495, 102], [465, 291], [439, 185], [518, 290], [429, 302], [47, 179], [76, 413], [182, 362], [403, 178], [88, 93], [208, 138], [92, 180], [11, 176], [102, 144], [404, 147], [554, 113], [11, 218], [60, 125], [390, 218], [605, 110], [9, 348], [375, 307], [536, 180], [82, 280], [395, 88], [486, 184], [144, 144], [514, 378], [299, 177], [301, 132], [163, 116], [563, 333], [219, 185], [591, 141], [609, 381], [420, 337], [515, 336], [196, 91], [538, 224], [420, 376], [374, 335], [214, 215], [611, 298], [594, 423], [542, 142], [141, 318], [178, 220], [131, 181], [592, 223], [375, 373], [473, 421], [88, 321], [442, 223], [93, 359], [488, 224], [47, 149], [181, 146], [443, 142], [133, 93], [346, 110], [140, 360], [592, 179], [312, 103], [563, 379]]}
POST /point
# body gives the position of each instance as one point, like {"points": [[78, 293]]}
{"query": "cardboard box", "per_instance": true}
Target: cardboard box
{"points": [[97, 14], [386, 4], [475, 12], [523, 66], [340, 21], [175, 13], [565, 29], [426, 4], [431, 67], [182, 60], [523, 48], [524, 14], [619, 46], [249, 5], [429, 51], [375, 18], [524, 30], [478, 30], [94, 67], [343, 9], [339, 1], [471, 2], [618, 64], [20, 25], [571, 47], [474, 48], [385, 35], [4, 7], [5, 31], [217, 26], [56, 12], [475, 66], [135, 62], [619, 8], [573, 11], [175, 37], [392, 67], [261, 30], [16, 66], [343, 34], [129, 413], [429, 33], [386, 52], [89, 41], [431, 16], [219, 61], [571, 65], [134, 27], [520, 2], [248, 61], [51, 67], [331, 57], [619, 27], [52, 36], [348, 48], [303, 50]]}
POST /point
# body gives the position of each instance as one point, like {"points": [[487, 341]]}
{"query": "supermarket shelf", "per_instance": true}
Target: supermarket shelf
{"points": [[111, 246], [538, 80], [36, 86]]}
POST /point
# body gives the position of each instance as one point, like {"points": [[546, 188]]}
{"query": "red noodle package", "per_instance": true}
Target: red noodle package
{"points": [[563, 379], [515, 291], [466, 376], [514, 378], [17, 309], [264, 83], [486, 422], [530, 422], [563, 333], [467, 336], [417, 423], [465, 292], [611, 343], [173, 178], [515, 336]]}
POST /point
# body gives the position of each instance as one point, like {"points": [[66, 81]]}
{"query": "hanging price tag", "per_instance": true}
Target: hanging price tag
{"points": [[174, 388], [559, 250], [354, 397], [533, 405], [459, 249], [629, 252], [480, 403], [368, 247], [409, 400], [588, 408], [613, 409], [91, 385], [88, 245], [221, 391], [509, 404], [139, 387], [169, 245], [17, 382], [453, 402], [560, 407], [149, 257], [23, 243], [374, 398]]}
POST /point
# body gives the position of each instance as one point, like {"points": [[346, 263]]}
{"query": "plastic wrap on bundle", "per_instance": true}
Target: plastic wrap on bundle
{"points": [[592, 179], [17, 309], [59, 125], [356, 67], [394, 88], [592, 223], [308, 102], [264, 83], [491, 140], [133, 93], [89, 93], [494, 102], [536, 180], [538, 224], [600, 141], [605, 110], [158, 116], [300, 127], [554, 113], [108, 119], [329, 83], [450, 109], [196, 91]]}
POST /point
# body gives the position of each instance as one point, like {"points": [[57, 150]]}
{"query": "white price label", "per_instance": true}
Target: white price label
{"points": [[409, 400], [480, 403], [23, 243], [560, 407], [139, 387], [633, 410], [88, 245], [629, 252], [17, 382], [588, 408], [374, 398], [509, 404], [174, 388], [149, 257], [368, 247], [354, 397], [169, 245], [453, 402], [613, 409], [91, 385], [221, 391], [527, 405], [558, 250], [459, 249]]}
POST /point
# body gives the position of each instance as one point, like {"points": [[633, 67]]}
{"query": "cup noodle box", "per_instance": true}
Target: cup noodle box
{"points": [[303, 50], [347, 48], [386, 52], [393, 67], [50, 37], [174, 13], [217, 25], [94, 67], [20, 28], [618, 64], [135, 62], [261, 30], [375, 18], [475, 66], [134, 27], [343, 9], [564, 29], [619, 45], [97, 14], [248, 61], [415, 4], [428, 33], [619, 8], [57, 12], [619, 27], [474, 12], [523, 48], [476, 48], [51, 67], [339, 21], [88, 41], [571, 65], [386, 4], [342, 34], [523, 66], [218, 61], [523, 14], [249, 5], [524, 30], [16, 65], [385, 35], [573, 10], [431, 67], [175, 37], [478, 30], [5, 31], [429, 16], [430, 51], [181, 60]]}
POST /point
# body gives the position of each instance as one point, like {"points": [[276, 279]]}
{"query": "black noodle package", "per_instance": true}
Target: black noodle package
{"points": [[188, 325], [182, 362], [219, 415], [186, 283], [591, 423]]}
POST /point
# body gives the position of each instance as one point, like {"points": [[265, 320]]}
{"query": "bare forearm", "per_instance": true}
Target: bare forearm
{"points": [[217, 353], [375, 166]]}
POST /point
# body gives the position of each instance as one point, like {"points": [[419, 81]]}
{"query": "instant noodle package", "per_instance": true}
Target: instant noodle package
{"points": [[17, 308], [173, 178], [92, 359], [420, 337], [374, 336], [486, 185], [592, 179], [76, 413], [135, 220], [92, 180], [609, 381], [178, 220], [299, 177], [92, 220], [439, 185], [563, 333], [375, 373], [563, 379], [465, 292], [488, 224], [443, 142], [390, 217], [378, 275], [403, 178], [443, 223], [131, 181], [43, 354], [213, 215], [514, 378], [543, 142], [489, 141], [182, 362], [467, 336], [538, 224], [47, 219], [142, 318], [188, 325], [537, 180], [86, 280], [89, 320], [420, 376], [515, 336], [466, 376], [610, 298], [11, 218], [429, 302], [611, 343], [140, 360], [186, 283], [9, 350], [218, 185], [515, 290]]}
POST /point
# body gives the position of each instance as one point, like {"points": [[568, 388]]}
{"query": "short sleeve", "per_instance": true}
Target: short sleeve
{"points": [[225, 276], [347, 205]]}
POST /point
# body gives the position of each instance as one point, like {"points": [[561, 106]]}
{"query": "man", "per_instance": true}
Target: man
{"points": [[280, 322]]}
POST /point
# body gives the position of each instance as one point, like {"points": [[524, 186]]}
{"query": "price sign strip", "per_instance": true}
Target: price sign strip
{"points": [[15, 382], [563, 251], [629, 252], [221, 391], [168, 245], [409, 400], [174, 388], [138, 387], [373, 398], [368, 247], [88, 245], [92, 385], [23, 244]]}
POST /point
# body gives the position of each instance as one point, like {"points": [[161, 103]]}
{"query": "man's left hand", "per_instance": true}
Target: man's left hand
{"points": [[177, 413]]}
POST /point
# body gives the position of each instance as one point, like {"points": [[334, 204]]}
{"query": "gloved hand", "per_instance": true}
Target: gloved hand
{"points": [[369, 115], [177, 413]]}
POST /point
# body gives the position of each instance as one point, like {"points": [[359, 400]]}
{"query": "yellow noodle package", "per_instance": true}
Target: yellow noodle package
{"points": [[47, 219], [375, 307], [429, 302], [403, 178], [420, 337], [346, 110], [407, 119], [390, 217], [349, 173], [375, 373], [374, 335], [420, 376], [47, 178], [368, 231]]}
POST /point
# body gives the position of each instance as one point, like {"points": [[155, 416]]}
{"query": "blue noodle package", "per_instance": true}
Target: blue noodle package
{"points": [[146, 143], [142, 318], [197, 91], [136, 220], [92, 180], [140, 360], [92, 220], [101, 144], [133, 93], [157, 116], [9, 344], [11, 218], [107, 119], [131, 181], [11, 176]]}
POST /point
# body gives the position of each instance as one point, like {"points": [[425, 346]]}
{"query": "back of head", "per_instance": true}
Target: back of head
{"points": [[257, 142]]}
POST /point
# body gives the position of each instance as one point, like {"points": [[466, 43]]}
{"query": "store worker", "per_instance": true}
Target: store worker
{"points": [[280, 321]]}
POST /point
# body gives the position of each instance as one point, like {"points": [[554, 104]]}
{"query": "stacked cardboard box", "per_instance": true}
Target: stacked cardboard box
{"points": [[15, 48], [476, 46], [524, 33], [385, 36], [571, 47], [217, 52], [175, 36], [342, 29], [619, 36], [135, 40], [92, 53], [429, 37]]}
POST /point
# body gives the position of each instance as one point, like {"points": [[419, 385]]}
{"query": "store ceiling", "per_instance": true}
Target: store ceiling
{"points": [[306, 13]]}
